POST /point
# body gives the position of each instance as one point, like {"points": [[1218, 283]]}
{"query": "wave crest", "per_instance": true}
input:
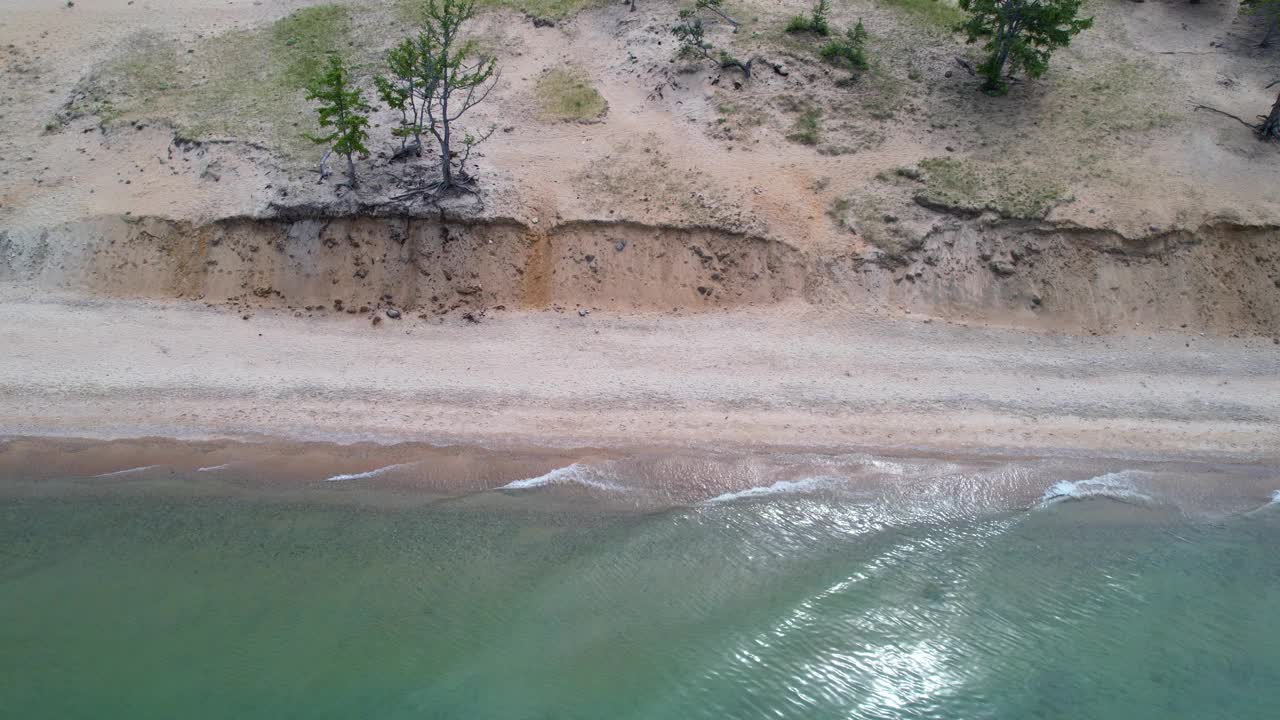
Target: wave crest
{"points": [[781, 487], [1116, 486], [369, 474], [576, 473]]}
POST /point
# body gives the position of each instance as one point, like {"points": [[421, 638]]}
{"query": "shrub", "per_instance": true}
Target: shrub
{"points": [[816, 23], [847, 51]]}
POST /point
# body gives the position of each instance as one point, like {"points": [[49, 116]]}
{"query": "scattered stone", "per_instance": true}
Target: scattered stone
{"points": [[1001, 268], [583, 312], [620, 245], [377, 320], [1036, 300], [393, 313]]}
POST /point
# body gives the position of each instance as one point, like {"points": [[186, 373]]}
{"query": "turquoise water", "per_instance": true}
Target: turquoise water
{"points": [[779, 606]]}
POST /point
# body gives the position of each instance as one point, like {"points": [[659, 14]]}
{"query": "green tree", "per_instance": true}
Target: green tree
{"points": [[402, 90], [1269, 9], [1020, 34], [455, 77], [343, 111]]}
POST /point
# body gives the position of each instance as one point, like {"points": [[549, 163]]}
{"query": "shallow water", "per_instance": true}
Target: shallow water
{"points": [[797, 599]]}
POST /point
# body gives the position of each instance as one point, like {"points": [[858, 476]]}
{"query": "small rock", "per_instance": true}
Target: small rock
{"points": [[393, 313], [583, 312], [377, 320], [1036, 300], [1000, 267], [620, 245], [946, 74]]}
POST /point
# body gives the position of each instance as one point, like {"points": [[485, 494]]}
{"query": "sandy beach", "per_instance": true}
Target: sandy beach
{"points": [[792, 377]]}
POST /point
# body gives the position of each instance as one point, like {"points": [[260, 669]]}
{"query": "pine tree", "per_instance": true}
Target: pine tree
{"points": [[1021, 34], [343, 109]]}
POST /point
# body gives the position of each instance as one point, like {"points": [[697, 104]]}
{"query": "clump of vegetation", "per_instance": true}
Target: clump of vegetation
{"points": [[567, 94], [807, 126], [343, 111], [1020, 35], [966, 186], [815, 23], [412, 11], [848, 51]]}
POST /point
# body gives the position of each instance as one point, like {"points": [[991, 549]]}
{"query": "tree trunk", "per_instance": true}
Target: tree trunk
{"points": [[1270, 127], [351, 170], [446, 159]]}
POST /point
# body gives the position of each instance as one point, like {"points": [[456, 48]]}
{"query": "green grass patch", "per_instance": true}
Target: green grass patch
{"points": [[807, 127], [302, 39], [937, 14], [567, 94], [968, 186], [244, 84]]}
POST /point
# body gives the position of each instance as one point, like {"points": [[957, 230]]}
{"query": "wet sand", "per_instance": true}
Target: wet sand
{"points": [[643, 480]]}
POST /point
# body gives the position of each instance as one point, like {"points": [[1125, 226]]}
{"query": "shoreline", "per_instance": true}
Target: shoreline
{"points": [[634, 480]]}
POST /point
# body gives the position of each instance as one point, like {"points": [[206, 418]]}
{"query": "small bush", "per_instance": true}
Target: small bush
{"points": [[816, 23], [847, 51], [567, 94]]}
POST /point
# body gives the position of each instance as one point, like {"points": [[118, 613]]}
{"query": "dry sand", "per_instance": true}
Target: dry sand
{"points": [[790, 376]]}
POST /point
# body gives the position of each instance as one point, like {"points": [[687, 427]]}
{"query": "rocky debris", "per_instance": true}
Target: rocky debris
{"points": [[583, 312], [393, 313]]}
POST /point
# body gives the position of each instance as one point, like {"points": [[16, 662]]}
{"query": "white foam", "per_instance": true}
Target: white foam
{"points": [[127, 472], [575, 473], [368, 474], [1275, 498], [782, 487], [211, 468], [1114, 486]]}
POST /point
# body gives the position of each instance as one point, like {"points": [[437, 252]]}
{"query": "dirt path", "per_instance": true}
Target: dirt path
{"points": [[787, 377]]}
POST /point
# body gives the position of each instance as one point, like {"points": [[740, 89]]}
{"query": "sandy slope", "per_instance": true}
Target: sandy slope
{"points": [[789, 377]]}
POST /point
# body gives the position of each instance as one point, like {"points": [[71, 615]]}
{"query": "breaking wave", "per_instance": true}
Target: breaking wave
{"points": [[782, 487], [128, 471], [368, 474], [576, 473], [211, 468], [1116, 486]]}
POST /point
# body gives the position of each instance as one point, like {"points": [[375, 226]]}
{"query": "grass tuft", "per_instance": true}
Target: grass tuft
{"points": [[567, 94]]}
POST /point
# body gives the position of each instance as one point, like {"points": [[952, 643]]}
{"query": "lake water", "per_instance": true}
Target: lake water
{"points": [[799, 597]]}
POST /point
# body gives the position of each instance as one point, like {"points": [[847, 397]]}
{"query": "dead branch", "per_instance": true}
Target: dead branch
{"points": [[1237, 118]]}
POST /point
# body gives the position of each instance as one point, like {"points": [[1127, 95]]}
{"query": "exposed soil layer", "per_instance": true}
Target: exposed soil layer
{"points": [[1219, 279]]}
